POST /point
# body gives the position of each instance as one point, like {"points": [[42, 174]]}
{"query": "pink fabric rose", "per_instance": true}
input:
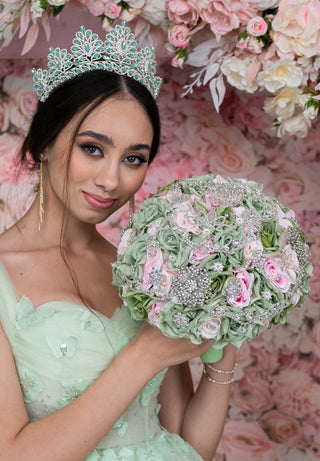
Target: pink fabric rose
{"points": [[281, 428], [245, 280], [153, 263], [250, 247], [278, 277], [257, 26], [167, 276], [244, 440], [199, 254], [154, 313], [184, 217], [178, 35]]}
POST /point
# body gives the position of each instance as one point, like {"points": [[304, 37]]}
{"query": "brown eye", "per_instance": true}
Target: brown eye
{"points": [[91, 150], [135, 160]]}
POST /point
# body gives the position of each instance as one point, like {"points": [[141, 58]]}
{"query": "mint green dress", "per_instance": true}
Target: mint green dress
{"points": [[60, 348]]}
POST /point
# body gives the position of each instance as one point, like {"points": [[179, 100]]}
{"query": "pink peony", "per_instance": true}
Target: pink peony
{"points": [[245, 289], [178, 35], [183, 11], [281, 428], [297, 28], [295, 393], [251, 393], [257, 26], [220, 18], [244, 440]]}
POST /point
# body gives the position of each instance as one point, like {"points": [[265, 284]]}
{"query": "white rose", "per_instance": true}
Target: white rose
{"points": [[236, 71], [264, 4], [283, 73], [57, 2], [136, 4], [298, 126], [283, 105], [209, 329], [311, 112], [154, 11]]}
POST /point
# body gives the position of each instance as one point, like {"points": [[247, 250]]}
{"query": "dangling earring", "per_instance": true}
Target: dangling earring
{"points": [[41, 210], [131, 211]]}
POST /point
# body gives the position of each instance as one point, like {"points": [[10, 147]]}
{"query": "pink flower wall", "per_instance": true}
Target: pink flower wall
{"points": [[275, 400]]}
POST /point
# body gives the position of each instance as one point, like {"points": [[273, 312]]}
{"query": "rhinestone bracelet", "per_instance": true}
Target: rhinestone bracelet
{"points": [[206, 374], [224, 372]]}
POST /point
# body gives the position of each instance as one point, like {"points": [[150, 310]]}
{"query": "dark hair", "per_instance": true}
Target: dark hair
{"points": [[87, 90]]}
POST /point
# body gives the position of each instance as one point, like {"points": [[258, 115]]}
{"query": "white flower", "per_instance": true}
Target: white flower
{"points": [[209, 329], [236, 71], [283, 73], [264, 4], [283, 105], [36, 9], [297, 126], [57, 2], [311, 112], [154, 11]]}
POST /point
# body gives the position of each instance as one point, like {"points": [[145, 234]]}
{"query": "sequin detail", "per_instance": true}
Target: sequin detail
{"points": [[31, 385], [60, 347]]}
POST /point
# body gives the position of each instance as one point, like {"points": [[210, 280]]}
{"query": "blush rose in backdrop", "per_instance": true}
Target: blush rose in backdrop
{"points": [[274, 411]]}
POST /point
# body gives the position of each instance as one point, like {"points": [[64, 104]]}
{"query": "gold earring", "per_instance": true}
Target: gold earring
{"points": [[41, 209], [131, 211], [131, 207]]}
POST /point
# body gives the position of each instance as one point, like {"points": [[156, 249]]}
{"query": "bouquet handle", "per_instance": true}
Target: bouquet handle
{"points": [[212, 355]]}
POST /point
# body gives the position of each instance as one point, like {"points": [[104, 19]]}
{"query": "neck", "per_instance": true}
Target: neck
{"points": [[58, 228]]}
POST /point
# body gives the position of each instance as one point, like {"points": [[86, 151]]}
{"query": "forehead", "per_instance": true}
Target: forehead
{"points": [[114, 114]]}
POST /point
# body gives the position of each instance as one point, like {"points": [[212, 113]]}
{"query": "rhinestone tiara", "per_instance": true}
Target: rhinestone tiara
{"points": [[117, 54]]}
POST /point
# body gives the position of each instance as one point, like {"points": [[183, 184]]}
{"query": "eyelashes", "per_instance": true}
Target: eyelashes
{"points": [[94, 151]]}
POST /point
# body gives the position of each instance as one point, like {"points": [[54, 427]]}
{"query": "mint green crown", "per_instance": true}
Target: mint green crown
{"points": [[117, 54]]}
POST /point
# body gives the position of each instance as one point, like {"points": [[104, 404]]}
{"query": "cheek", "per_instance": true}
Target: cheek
{"points": [[133, 181]]}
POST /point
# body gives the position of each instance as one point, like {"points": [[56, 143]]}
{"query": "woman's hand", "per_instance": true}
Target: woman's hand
{"points": [[161, 351]]}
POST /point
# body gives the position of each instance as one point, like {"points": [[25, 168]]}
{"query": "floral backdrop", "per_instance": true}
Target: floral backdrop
{"points": [[275, 400]]}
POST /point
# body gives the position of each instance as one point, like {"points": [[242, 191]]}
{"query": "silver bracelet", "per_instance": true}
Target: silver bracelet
{"points": [[224, 372], [214, 381]]}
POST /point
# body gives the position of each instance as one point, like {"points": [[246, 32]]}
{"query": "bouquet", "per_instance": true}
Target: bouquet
{"points": [[212, 258]]}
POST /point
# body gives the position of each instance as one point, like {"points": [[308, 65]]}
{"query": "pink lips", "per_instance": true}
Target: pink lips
{"points": [[97, 202]]}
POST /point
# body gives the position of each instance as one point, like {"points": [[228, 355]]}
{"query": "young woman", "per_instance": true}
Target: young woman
{"points": [[79, 379]]}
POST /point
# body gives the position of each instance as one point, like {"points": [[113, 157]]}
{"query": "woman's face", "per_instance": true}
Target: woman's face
{"points": [[108, 163]]}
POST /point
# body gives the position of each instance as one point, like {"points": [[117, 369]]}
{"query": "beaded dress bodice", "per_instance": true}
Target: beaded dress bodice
{"points": [[60, 348]]}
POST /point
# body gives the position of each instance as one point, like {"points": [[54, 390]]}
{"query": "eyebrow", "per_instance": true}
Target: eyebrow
{"points": [[110, 142], [99, 136]]}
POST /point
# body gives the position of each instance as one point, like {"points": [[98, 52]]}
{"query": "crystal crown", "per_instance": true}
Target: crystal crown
{"points": [[117, 54]]}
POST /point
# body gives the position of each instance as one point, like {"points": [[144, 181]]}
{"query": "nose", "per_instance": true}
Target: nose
{"points": [[107, 176]]}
